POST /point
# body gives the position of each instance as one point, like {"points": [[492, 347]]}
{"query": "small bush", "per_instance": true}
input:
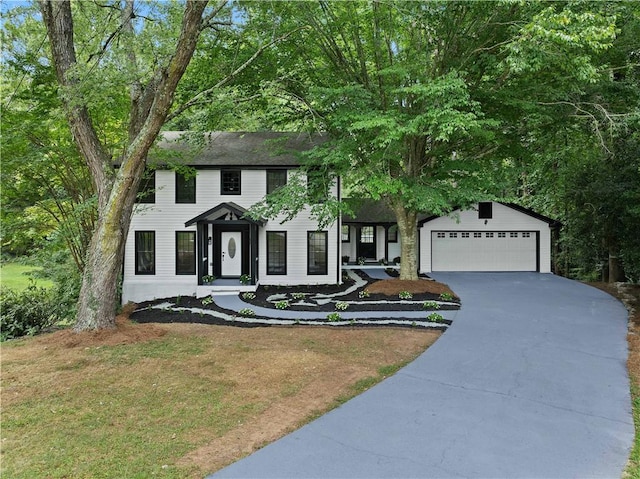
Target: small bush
{"points": [[298, 295], [207, 301], [435, 318], [27, 312], [341, 305], [405, 295], [334, 317], [247, 312], [248, 296], [446, 297], [364, 294], [284, 304], [431, 305]]}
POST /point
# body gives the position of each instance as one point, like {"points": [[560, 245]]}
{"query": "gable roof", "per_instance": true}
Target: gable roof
{"points": [[223, 209], [521, 209], [238, 149]]}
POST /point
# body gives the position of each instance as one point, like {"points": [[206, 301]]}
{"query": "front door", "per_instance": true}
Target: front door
{"points": [[230, 253], [367, 242]]}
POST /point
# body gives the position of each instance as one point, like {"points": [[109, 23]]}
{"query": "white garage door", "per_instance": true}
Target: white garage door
{"points": [[484, 251]]}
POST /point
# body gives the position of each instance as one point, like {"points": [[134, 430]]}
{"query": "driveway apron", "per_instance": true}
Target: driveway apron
{"points": [[530, 381]]}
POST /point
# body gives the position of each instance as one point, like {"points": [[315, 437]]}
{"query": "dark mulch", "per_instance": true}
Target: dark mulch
{"points": [[392, 300]]}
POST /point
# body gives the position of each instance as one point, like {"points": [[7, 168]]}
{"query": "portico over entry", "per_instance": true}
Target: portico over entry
{"points": [[227, 242]]}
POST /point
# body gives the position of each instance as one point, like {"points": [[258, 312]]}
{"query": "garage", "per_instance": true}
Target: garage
{"points": [[488, 236], [484, 251]]}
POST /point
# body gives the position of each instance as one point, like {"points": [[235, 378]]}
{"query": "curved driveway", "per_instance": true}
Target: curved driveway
{"points": [[530, 381]]}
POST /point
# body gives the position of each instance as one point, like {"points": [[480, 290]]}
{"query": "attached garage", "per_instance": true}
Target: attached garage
{"points": [[490, 237]]}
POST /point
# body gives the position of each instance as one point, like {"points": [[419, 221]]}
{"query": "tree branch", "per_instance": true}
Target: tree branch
{"points": [[199, 96]]}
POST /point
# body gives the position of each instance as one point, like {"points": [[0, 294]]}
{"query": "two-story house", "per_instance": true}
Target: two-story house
{"points": [[187, 228]]}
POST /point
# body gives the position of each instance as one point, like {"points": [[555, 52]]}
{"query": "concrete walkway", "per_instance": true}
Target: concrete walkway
{"points": [[530, 381]]}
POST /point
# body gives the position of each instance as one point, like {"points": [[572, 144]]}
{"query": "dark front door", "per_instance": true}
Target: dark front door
{"points": [[367, 242]]}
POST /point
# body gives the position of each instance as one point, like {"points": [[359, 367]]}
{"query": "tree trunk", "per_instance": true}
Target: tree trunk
{"points": [[408, 229], [116, 192]]}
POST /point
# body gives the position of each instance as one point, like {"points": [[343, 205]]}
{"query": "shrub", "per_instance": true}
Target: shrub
{"points": [[245, 279], [207, 301], [435, 318], [446, 297], [405, 295], [298, 295], [431, 305], [247, 312], [248, 296], [341, 305], [284, 304], [364, 294], [27, 312], [334, 317]]}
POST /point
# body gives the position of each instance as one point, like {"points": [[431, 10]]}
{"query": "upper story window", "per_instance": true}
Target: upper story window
{"points": [[317, 186], [230, 182], [276, 179], [185, 188], [485, 210], [147, 188]]}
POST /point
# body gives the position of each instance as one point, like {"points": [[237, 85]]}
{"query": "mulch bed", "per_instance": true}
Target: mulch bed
{"points": [[379, 290]]}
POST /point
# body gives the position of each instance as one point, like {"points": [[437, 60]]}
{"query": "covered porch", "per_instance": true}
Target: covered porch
{"points": [[227, 249]]}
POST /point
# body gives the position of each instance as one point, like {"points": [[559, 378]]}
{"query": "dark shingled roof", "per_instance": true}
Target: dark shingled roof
{"points": [[242, 149], [368, 211]]}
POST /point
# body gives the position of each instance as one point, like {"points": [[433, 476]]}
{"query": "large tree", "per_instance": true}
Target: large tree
{"points": [[423, 100], [151, 94]]}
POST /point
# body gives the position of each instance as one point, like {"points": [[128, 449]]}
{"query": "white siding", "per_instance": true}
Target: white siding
{"points": [[504, 219], [165, 217]]}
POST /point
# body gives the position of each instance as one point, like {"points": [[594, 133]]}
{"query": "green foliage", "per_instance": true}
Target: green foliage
{"points": [[341, 306], [446, 297], [431, 305], [333, 317], [245, 279], [27, 312], [207, 301], [364, 294], [284, 304], [435, 318], [247, 312], [248, 296], [405, 295]]}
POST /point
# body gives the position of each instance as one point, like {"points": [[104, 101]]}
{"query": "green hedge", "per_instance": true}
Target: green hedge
{"points": [[26, 312]]}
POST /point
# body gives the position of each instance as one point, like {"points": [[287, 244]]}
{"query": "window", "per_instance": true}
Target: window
{"points": [[489, 235], [502, 234], [276, 252], [465, 235], [185, 188], [346, 233], [317, 187], [185, 252], [276, 179], [366, 234], [230, 182], [441, 235], [477, 235], [145, 251], [147, 188], [317, 252], [453, 235], [513, 234], [526, 234], [392, 234], [485, 210]]}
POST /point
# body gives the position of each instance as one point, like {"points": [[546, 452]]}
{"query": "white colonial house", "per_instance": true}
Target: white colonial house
{"points": [[190, 234], [188, 228]]}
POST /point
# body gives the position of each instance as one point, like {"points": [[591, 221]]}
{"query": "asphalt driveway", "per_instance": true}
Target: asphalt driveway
{"points": [[530, 381]]}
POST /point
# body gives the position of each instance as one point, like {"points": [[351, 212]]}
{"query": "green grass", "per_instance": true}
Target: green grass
{"points": [[632, 470], [16, 276]]}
